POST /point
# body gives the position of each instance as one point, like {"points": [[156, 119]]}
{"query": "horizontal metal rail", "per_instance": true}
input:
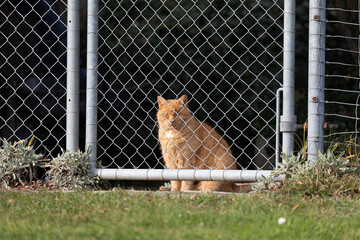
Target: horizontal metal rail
{"points": [[185, 175]]}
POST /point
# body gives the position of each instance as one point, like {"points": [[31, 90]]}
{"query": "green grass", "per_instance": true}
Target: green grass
{"points": [[120, 215]]}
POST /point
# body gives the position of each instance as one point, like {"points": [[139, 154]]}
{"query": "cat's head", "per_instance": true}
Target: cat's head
{"points": [[173, 113]]}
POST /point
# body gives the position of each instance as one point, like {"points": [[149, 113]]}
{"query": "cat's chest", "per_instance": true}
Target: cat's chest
{"points": [[171, 134], [173, 137]]}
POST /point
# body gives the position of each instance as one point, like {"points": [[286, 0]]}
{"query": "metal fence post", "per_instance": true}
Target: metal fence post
{"points": [[92, 81], [73, 75], [288, 119], [316, 94]]}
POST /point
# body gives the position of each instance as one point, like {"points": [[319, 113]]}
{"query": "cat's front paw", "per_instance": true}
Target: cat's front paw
{"points": [[175, 186]]}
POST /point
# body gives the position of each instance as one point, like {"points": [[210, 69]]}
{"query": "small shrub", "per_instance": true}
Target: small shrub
{"points": [[71, 170], [18, 163], [329, 175]]}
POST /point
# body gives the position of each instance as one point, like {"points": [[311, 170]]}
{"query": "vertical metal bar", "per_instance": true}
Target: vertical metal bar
{"points": [[73, 75], [92, 81], [278, 113], [316, 93], [288, 119]]}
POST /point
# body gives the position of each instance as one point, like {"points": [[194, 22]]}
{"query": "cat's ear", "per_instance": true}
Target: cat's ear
{"points": [[184, 99], [161, 101]]}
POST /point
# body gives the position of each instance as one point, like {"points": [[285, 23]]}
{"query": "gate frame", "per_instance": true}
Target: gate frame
{"points": [[287, 123]]}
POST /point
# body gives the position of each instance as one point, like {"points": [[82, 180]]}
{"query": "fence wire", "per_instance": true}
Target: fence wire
{"points": [[33, 72], [342, 90], [226, 56]]}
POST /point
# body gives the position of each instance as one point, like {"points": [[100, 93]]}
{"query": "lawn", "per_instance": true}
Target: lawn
{"points": [[125, 215]]}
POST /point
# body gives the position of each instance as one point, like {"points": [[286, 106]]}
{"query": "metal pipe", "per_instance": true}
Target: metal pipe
{"points": [[92, 81], [316, 94], [278, 113], [288, 119], [186, 174], [142, 174], [73, 75]]}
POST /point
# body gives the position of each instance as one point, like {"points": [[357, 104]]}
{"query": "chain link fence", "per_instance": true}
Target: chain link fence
{"points": [[33, 72], [226, 56]]}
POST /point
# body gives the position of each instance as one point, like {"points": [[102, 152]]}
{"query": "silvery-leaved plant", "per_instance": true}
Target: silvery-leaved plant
{"points": [[71, 170], [330, 173], [18, 163]]}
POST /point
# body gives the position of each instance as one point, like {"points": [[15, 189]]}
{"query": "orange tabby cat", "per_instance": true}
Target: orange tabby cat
{"points": [[187, 143]]}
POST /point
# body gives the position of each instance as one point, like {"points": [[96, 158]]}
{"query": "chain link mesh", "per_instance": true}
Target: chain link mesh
{"points": [[225, 55], [33, 72]]}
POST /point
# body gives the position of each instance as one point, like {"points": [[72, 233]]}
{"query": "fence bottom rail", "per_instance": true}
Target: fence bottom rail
{"points": [[185, 175]]}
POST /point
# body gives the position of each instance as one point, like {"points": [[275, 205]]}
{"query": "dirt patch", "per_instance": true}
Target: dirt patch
{"points": [[38, 185]]}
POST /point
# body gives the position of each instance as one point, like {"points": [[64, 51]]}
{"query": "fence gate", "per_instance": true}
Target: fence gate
{"points": [[226, 56]]}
